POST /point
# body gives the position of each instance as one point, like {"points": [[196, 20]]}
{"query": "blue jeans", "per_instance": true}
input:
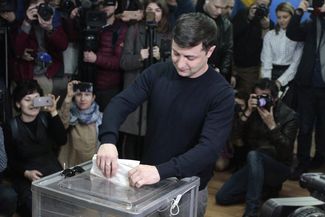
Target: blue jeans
{"points": [[311, 107], [248, 182], [8, 198]]}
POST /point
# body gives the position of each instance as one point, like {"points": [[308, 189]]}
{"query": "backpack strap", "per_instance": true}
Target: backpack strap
{"points": [[14, 128]]}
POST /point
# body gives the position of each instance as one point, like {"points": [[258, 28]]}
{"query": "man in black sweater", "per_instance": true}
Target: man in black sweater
{"points": [[190, 112]]}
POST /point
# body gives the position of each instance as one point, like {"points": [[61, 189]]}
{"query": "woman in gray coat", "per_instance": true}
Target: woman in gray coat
{"points": [[146, 43]]}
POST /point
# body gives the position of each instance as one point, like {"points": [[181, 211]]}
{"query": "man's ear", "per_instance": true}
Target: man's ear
{"points": [[210, 51]]}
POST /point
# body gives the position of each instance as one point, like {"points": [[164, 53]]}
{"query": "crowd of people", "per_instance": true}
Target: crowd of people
{"points": [[166, 82]]}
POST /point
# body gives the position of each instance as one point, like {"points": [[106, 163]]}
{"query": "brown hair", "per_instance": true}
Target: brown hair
{"points": [[284, 7], [163, 25]]}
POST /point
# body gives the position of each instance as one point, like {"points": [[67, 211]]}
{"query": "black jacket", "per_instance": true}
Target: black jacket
{"points": [[222, 55], [304, 32], [248, 41], [278, 142]]}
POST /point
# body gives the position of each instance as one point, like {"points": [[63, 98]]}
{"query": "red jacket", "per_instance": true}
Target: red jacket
{"points": [[111, 42], [55, 43]]}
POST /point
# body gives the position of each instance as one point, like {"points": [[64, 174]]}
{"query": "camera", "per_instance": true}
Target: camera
{"points": [[83, 87], [312, 206], [42, 101], [45, 11], [261, 11], [264, 101], [150, 19]]}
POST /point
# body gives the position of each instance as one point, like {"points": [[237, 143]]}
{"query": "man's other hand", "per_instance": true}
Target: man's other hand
{"points": [[143, 175], [107, 156]]}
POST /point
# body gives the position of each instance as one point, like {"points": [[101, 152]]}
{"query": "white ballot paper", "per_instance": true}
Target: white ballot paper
{"points": [[121, 177]]}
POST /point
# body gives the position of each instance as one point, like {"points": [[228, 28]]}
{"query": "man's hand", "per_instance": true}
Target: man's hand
{"points": [[267, 117], [31, 13], [251, 103], [265, 23], [303, 5], [156, 52], [9, 16], [144, 53], [143, 175], [27, 55], [45, 24], [107, 156], [33, 175]]}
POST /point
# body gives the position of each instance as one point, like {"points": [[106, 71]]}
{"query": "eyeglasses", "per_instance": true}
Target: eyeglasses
{"points": [[71, 172]]}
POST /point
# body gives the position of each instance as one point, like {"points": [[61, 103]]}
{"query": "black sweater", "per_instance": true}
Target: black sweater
{"points": [[35, 148], [189, 120]]}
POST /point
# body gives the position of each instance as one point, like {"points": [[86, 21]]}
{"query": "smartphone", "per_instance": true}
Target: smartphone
{"points": [[42, 101], [83, 87]]}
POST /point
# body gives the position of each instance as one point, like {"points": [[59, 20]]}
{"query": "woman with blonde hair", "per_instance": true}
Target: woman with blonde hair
{"points": [[280, 56]]}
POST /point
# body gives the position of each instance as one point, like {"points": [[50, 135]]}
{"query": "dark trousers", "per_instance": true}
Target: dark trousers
{"points": [[247, 183], [8, 200], [311, 109]]}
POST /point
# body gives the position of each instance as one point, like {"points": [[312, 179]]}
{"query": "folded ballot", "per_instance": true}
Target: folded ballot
{"points": [[121, 177]]}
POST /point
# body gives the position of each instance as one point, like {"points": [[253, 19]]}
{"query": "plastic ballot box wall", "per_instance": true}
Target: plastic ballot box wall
{"points": [[85, 195]]}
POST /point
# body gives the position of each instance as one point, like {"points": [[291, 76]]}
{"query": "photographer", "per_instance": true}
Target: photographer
{"points": [[39, 45], [81, 117], [221, 58], [310, 81], [249, 25], [268, 128], [32, 140], [106, 57]]}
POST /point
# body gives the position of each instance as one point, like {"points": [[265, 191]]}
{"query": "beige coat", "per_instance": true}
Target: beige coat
{"points": [[81, 143]]}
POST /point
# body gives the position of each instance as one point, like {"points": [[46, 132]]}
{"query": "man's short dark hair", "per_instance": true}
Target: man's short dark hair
{"points": [[267, 84], [193, 28]]}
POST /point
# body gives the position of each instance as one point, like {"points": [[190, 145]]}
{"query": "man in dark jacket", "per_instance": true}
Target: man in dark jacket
{"points": [[108, 78], [268, 129], [250, 25], [310, 80], [221, 58]]}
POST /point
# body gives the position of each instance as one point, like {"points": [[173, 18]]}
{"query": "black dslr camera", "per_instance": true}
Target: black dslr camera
{"points": [[312, 206], [261, 11], [45, 11], [264, 101]]}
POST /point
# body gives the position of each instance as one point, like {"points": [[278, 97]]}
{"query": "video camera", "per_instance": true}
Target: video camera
{"points": [[261, 11], [313, 206]]}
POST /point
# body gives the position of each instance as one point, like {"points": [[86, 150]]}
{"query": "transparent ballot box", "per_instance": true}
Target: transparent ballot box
{"points": [[85, 195]]}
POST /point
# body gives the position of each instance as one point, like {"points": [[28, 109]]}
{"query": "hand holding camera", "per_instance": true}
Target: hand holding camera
{"points": [[75, 86], [47, 103], [31, 12]]}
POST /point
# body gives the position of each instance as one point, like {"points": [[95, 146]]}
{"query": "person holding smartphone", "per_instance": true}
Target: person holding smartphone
{"points": [[32, 140], [80, 114]]}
